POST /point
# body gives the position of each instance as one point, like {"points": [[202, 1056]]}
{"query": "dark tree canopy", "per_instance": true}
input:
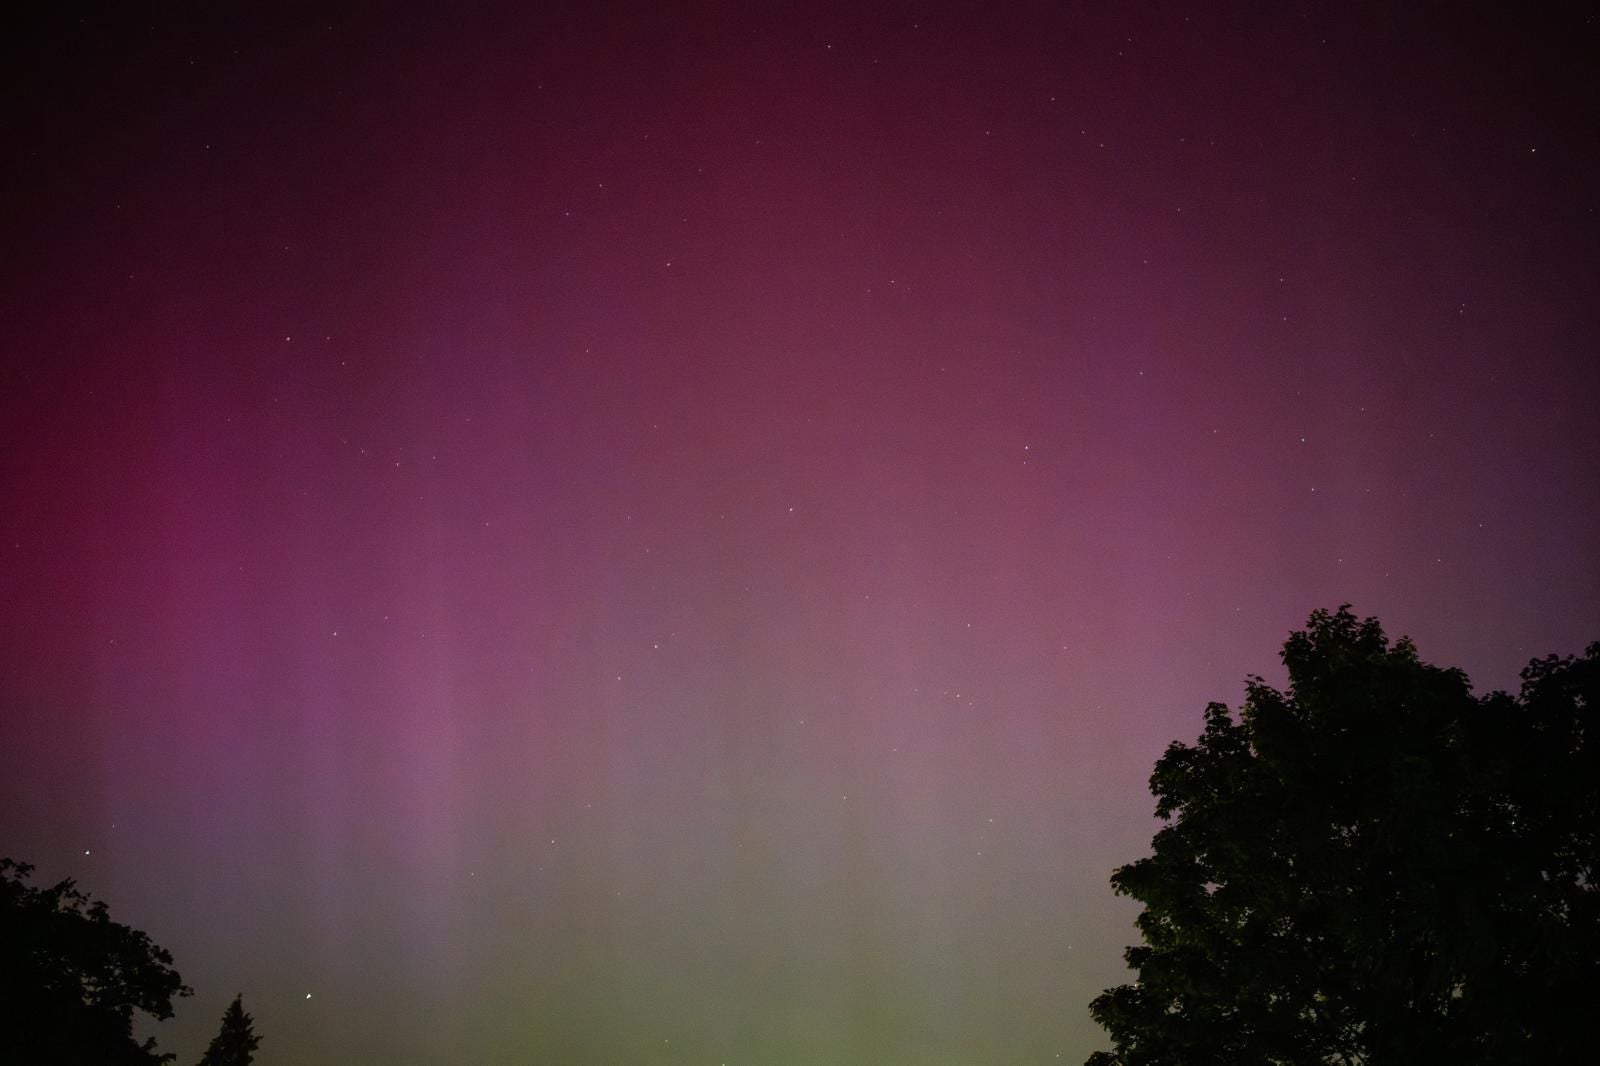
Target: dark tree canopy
{"points": [[1372, 867], [71, 978], [235, 1044]]}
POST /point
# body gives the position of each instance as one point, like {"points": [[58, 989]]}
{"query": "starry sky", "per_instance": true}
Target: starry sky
{"points": [[675, 534]]}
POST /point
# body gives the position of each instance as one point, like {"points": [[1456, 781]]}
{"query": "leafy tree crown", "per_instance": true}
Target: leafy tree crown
{"points": [[1374, 866], [71, 978]]}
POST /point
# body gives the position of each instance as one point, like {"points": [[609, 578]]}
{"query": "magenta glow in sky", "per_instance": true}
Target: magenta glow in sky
{"points": [[607, 535]]}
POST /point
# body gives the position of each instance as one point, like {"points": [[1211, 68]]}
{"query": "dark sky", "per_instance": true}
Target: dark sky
{"points": [[676, 536]]}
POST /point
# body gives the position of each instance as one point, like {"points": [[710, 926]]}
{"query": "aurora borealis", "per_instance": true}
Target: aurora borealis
{"points": [[601, 534]]}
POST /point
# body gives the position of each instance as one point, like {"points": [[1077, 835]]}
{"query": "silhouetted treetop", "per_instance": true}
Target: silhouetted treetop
{"points": [[235, 1044], [1373, 866], [71, 978]]}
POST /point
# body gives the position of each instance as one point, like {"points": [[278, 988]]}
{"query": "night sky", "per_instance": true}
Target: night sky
{"points": [[599, 536]]}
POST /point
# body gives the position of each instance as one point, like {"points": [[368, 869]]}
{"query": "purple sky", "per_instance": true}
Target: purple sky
{"points": [[678, 537]]}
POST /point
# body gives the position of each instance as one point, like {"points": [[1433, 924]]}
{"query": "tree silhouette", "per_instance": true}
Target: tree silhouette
{"points": [[71, 978], [236, 1043], [1372, 867]]}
